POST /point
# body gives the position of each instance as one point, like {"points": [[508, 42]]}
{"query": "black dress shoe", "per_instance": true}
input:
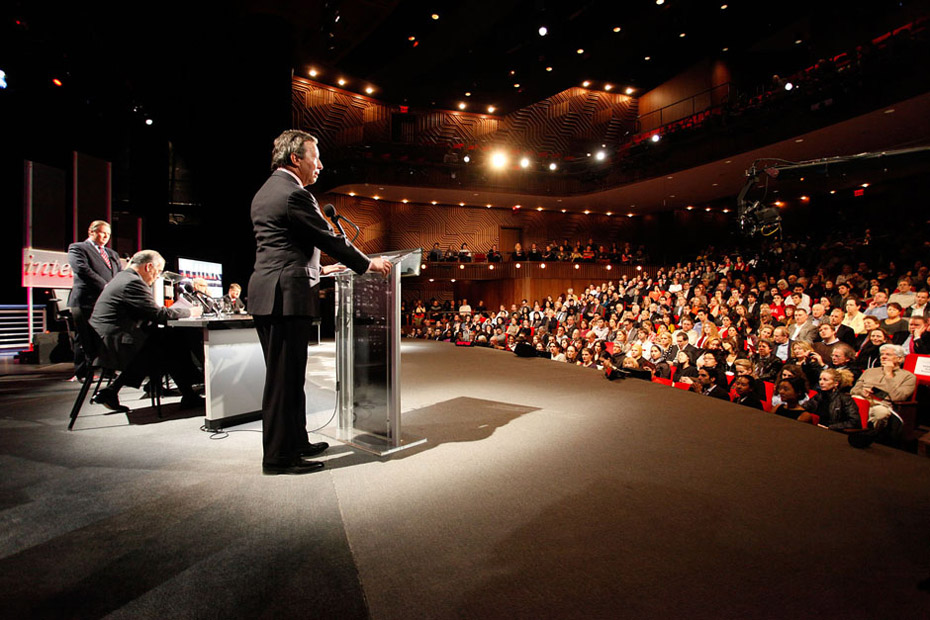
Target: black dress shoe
{"points": [[313, 449], [110, 400], [295, 468]]}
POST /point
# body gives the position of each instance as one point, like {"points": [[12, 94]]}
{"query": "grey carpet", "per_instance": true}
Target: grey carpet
{"points": [[544, 491]]}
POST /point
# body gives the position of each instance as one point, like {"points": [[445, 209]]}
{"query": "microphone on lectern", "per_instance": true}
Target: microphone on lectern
{"points": [[330, 212]]}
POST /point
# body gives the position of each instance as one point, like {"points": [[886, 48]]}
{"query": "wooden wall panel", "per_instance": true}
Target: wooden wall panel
{"points": [[556, 124]]}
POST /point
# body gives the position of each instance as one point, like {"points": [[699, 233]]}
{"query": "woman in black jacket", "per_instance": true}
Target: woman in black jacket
{"points": [[836, 408]]}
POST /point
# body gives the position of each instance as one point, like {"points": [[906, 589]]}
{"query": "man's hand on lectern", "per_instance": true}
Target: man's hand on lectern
{"points": [[380, 265]]}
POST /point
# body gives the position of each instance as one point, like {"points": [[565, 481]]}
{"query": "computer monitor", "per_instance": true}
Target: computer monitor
{"points": [[211, 272]]}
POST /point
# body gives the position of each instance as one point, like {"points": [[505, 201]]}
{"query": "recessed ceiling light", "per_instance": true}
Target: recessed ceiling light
{"points": [[616, 28], [489, 206], [376, 197], [564, 210], [629, 90], [369, 90], [832, 191], [865, 185], [707, 209], [543, 31], [682, 35], [342, 82], [689, 207], [466, 159], [648, 58], [587, 212], [586, 83], [580, 50], [461, 204], [656, 137], [660, 2], [351, 193], [553, 166], [799, 141], [524, 162], [609, 213], [539, 208], [491, 109], [516, 85], [548, 68], [433, 202], [715, 184], [726, 49], [723, 7], [512, 72], [805, 198], [889, 111], [726, 210], [462, 105], [435, 16], [608, 86], [797, 42], [313, 72], [411, 38], [405, 201]]}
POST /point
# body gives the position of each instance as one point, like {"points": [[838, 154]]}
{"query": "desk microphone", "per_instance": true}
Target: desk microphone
{"points": [[330, 212], [171, 276]]}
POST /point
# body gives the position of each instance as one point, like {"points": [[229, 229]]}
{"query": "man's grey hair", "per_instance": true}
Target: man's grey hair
{"points": [[894, 349], [291, 142], [144, 257]]}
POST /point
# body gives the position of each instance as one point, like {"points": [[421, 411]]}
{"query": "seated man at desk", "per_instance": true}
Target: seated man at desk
{"points": [[232, 304], [126, 317], [202, 291]]}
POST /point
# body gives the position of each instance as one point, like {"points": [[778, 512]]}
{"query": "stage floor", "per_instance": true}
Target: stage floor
{"points": [[544, 491]]}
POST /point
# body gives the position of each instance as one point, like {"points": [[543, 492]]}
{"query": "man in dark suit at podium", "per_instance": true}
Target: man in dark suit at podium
{"points": [[93, 265], [290, 232]]}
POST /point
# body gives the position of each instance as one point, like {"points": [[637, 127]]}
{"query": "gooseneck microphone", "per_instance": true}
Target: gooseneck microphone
{"points": [[330, 212]]}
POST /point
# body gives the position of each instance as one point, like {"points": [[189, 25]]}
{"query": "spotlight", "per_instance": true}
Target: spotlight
{"points": [[543, 31], [499, 160]]}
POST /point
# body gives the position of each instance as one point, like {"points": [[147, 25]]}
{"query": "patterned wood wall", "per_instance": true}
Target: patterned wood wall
{"points": [[339, 118]]}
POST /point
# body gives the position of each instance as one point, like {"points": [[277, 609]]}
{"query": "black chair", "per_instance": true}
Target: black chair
{"points": [[92, 347]]}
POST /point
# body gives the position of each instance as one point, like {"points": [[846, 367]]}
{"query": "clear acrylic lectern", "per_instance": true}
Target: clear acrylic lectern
{"points": [[368, 357]]}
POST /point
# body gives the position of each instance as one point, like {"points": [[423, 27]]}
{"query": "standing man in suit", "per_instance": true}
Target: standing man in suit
{"points": [[290, 232], [93, 265]]}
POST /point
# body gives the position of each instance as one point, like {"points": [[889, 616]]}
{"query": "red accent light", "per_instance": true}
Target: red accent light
{"points": [[859, 192], [404, 109]]}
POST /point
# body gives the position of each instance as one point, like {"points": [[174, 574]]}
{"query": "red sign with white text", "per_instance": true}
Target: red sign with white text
{"points": [[46, 269]]}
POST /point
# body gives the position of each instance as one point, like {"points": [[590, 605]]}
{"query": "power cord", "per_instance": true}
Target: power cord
{"points": [[222, 433]]}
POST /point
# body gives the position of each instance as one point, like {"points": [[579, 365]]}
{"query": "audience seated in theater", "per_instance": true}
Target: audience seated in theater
{"points": [[895, 325], [684, 369], [790, 392], [494, 254], [766, 365], [745, 392], [868, 355], [708, 384], [835, 407], [918, 339], [518, 254]]}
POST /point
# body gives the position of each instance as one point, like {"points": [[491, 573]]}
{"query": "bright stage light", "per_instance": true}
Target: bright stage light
{"points": [[499, 160], [525, 162]]}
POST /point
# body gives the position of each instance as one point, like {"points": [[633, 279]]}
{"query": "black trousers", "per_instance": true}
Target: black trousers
{"points": [[284, 342], [83, 352], [166, 350]]}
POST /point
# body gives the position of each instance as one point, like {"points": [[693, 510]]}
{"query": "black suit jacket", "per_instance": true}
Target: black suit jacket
{"points": [[845, 333], [290, 232], [124, 313], [91, 273]]}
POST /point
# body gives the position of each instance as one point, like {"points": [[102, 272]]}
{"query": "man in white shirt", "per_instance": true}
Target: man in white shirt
{"points": [[904, 295]]}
